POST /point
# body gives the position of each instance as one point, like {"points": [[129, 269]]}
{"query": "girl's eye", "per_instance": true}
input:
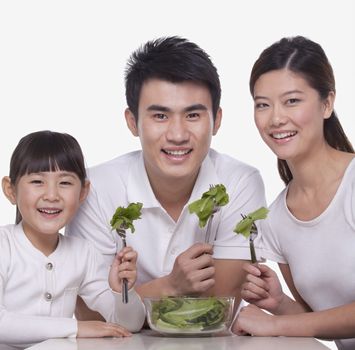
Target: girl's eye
{"points": [[36, 182], [66, 183]]}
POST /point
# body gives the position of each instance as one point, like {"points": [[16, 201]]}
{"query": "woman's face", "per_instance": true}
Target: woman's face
{"points": [[289, 114]]}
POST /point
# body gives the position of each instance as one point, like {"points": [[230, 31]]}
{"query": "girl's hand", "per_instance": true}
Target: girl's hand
{"points": [[99, 329], [123, 266], [253, 321], [262, 287]]}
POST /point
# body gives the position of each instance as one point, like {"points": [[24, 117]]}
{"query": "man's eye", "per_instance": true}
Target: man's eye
{"points": [[193, 115], [160, 116]]}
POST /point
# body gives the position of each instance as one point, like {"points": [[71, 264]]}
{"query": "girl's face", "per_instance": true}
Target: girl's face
{"points": [[289, 114], [47, 201]]}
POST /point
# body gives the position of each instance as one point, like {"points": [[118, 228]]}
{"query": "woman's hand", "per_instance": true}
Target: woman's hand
{"points": [[99, 329], [254, 321], [123, 266], [262, 287]]}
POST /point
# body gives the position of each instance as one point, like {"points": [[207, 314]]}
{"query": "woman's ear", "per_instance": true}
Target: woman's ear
{"points": [[84, 191], [9, 189], [329, 105], [131, 122]]}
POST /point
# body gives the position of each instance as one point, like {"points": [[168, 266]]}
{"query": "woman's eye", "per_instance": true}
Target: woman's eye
{"points": [[260, 105], [292, 101]]}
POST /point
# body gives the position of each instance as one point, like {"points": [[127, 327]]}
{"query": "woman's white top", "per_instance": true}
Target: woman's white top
{"points": [[319, 252]]}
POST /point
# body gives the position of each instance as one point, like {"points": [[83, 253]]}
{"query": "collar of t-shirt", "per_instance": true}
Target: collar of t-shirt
{"points": [[139, 189]]}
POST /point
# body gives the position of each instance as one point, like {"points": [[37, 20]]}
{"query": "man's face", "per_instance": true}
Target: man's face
{"points": [[175, 127]]}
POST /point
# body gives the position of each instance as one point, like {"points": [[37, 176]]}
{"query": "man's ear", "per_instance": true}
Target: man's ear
{"points": [[131, 122], [217, 121], [84, 191], [329, 105], [9, 189]]}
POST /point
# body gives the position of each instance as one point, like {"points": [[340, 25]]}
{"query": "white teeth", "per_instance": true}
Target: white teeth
{"points": [[177, 153], [283, 135], [49, 211]]}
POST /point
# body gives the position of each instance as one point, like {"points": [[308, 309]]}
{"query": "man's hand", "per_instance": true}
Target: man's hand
{"points": [[193, 271], [98, 329]]}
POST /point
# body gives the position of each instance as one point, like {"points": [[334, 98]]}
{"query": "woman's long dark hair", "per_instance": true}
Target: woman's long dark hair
{"points": [[307, 58], [46, 151]]}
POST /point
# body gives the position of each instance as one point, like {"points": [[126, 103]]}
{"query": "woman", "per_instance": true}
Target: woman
{"points": [[310, 230]]}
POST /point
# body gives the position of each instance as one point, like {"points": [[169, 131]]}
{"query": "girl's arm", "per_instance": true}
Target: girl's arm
{"points": [[24, 330], [97, 294]]}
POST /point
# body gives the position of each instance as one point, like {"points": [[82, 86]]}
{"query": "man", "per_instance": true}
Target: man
{"points": [[173, 96]]}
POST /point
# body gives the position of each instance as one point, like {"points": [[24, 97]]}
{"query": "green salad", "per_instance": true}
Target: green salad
{"points": [[189, 314]]}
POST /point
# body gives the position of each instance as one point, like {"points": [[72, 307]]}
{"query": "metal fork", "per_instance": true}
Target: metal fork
{"points": [[209, 224], [253, 234], [216, 208], [122, 234]]}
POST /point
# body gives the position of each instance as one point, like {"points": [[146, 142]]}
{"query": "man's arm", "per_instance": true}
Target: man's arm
{"points": [[229, 277]]}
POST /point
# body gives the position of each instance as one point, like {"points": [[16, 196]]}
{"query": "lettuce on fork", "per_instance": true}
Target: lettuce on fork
{"points": [[248, 229], [123, 218], [245, 225], [204, 207]]}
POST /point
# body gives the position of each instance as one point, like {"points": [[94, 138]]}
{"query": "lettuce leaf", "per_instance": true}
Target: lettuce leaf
{"points": [[123, 218], [244, 226], [189, 314], [204, 207]]}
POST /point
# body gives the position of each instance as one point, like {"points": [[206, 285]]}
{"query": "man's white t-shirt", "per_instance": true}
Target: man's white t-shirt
{"points": [[319, 252], [38, 293], [158, 239]]}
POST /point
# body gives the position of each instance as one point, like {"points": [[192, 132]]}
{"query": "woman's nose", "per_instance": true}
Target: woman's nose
{"points": [[279, 116]]}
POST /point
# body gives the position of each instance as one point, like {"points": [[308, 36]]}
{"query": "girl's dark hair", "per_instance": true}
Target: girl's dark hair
{"points": [[306, 58], [46, 151]]}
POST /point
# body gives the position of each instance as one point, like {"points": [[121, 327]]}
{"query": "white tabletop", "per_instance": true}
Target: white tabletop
{"points": [[148, 340]]}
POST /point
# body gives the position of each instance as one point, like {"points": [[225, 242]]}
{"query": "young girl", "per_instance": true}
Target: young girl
{"points": [[42, 271], [310, 230]]}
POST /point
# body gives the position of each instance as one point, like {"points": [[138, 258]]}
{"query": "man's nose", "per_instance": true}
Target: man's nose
{"points": [[178, 131]]}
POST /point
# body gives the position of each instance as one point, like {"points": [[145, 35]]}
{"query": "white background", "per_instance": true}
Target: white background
{"points": [[62, 64]]}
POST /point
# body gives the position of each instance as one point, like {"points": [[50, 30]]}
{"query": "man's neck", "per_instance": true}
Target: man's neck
{"points": [[173, 194]]}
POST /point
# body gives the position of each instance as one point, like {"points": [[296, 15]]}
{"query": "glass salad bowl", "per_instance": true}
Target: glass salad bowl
{"points": [[189, 315]]}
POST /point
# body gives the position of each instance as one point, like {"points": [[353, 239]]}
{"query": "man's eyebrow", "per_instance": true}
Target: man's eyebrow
{"points": [[196, 107], [158, 108]]}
